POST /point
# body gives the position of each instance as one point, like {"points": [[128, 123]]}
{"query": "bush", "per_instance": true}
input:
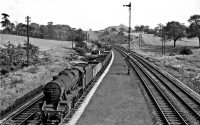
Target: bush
{"points": [[185, 51], [13, 57], [171, 54], [80, 51], [98, 44], [5, 70], [81, 44]]}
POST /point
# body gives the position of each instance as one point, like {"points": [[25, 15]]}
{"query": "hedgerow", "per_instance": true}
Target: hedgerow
{"points": [[13, 57]]}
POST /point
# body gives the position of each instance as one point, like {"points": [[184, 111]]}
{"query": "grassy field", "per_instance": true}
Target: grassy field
{"points": [[16, 84], [184, 67], [42, 43], [151, 39]]}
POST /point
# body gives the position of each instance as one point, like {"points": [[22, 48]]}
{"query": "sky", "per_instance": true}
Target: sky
{"points": [[99, 14]]}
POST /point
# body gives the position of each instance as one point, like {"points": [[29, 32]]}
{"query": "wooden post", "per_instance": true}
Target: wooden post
{"points": [[27, 20]]}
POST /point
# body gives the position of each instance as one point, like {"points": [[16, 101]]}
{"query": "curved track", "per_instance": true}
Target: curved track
{"points": [[174, 104], [27, 114]]}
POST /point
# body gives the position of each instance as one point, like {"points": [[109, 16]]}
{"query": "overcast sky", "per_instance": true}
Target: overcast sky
{"points": [[99, 14]]}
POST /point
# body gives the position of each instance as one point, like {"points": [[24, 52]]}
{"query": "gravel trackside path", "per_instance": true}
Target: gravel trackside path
{"points": [[118, 100]]}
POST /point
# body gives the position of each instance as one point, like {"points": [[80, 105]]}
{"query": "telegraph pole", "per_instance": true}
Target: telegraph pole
{"points": [[163, 39], [162, 34], [28, 21], [129, 31], [140, 41], [88, 37], [73, 37]]}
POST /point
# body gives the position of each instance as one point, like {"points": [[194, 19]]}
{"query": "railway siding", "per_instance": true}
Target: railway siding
{"points": [[118, 99]]}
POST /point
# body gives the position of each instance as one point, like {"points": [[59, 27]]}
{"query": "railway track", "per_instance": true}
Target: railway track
{"points": [[173, 104], [27, 115], [31, 114]]}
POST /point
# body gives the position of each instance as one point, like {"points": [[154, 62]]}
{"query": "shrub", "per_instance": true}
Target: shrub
{"points": [[81, 44], [80, 51], [98, 44], [185, 51], [5, 70], [180, 58], [13, 57], [33, 70], [171, 54]]}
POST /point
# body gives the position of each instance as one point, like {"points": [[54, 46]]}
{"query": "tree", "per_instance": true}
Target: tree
{"points": [[146, 29], [34, 30], [16, 28], [113, 29], [174, 31], [122, 29], [79, 36], [10, 52], [156, 31], [141, 28], [21, 29], [44, 32], [136, 28], [194, 29], [12, 28], [50, 30], [6, 23]]}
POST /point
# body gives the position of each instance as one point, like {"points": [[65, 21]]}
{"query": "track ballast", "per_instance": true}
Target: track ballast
{"points": [[173, 103]]}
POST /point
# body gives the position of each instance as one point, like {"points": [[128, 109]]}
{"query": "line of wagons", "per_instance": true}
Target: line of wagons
{"points": [[62, 93]]}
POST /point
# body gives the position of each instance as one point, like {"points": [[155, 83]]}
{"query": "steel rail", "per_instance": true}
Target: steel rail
{"points": [[25, 113], [179, 93], [168, 118], [170, 80], [189, 102]]}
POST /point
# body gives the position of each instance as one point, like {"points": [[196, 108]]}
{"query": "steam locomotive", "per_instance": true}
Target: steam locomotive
{"points": [[62, 93]]}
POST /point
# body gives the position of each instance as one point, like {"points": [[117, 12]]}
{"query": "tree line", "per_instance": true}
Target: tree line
{"points": [[14, 57], [174, 30], [49, 31]]}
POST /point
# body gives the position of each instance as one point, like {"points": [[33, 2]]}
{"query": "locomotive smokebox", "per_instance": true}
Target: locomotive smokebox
{"points": [[52, 91]]}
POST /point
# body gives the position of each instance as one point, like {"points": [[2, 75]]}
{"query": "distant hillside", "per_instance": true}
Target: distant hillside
{"points": [[93, 36], [114, 34], [121, 26]]}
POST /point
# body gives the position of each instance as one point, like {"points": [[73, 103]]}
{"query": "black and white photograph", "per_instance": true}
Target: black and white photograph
{"points": [[99, 62]]}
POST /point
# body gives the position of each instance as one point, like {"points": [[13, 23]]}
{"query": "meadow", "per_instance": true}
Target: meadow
{"points": [[42, 43], [184, 67], [16, 83]]}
